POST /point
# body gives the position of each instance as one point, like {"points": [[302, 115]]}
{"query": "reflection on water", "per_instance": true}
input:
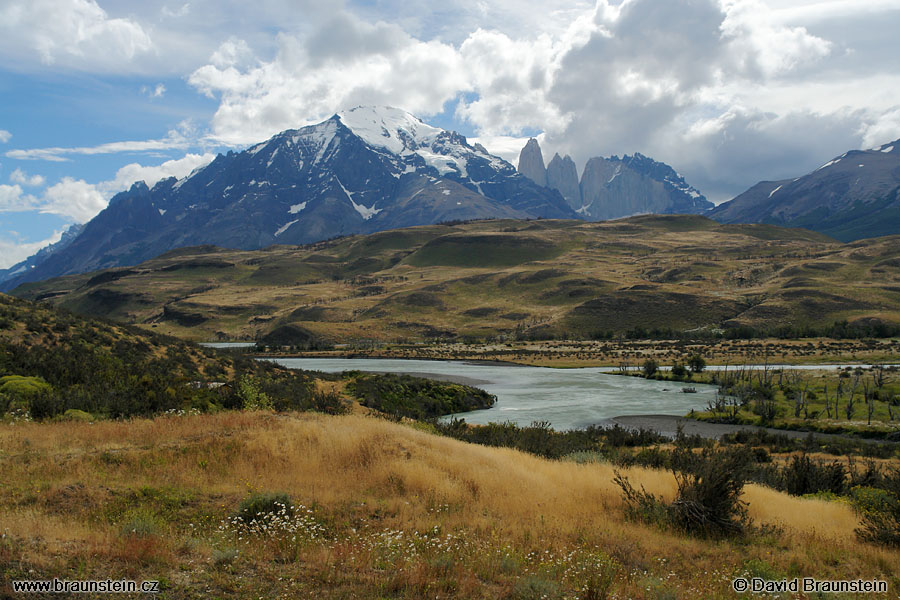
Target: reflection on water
{"points": [[567, 398]]}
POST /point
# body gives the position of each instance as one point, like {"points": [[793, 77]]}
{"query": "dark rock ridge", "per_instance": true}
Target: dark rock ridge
{"points": [[364, 170], [853, 196], [614, 187]]}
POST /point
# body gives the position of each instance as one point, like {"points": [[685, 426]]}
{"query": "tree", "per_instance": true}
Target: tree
{"points": [[696, 363], [650, 368]]}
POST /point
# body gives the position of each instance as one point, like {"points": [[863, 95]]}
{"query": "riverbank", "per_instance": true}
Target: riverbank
{"points": [[629, 353], [668, 425]]}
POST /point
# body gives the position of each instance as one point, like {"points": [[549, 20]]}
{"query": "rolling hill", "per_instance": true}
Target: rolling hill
{"points": [[500, 279]]}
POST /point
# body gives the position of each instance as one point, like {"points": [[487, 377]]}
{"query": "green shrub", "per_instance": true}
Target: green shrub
{"points": [[19, 386], [534, 587], [73, 414], [879, 511], [251, 396], [141, 526], [224, 557], [258, 505], [650, 368]]}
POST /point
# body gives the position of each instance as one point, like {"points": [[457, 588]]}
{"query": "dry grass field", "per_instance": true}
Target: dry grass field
{"points": [[502, 280], [381, 510]]}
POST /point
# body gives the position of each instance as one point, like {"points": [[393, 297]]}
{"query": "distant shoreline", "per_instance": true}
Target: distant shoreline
{"points": [[667, 425]]}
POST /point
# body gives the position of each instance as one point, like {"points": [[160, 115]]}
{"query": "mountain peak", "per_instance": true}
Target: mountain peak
{"points": [[531, 163], [387, 127]]}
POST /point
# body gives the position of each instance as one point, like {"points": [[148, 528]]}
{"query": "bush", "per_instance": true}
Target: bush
{"points": [[804, 476], [650, 368], [709, 493], [141, 526], [258, 505], [879, 511], [709, 490]]}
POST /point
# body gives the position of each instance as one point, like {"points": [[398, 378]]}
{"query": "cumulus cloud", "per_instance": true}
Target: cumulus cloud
{"points": [[70, 33], [19, 176], [5, 136], [13, 199], [80, 201], [884, 128], [73, 198], [655, 76], [150, 175], [307, 81]]}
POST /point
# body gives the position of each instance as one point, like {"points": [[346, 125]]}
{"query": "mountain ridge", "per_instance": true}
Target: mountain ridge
{"points": [[364, 170], [853, 196]]}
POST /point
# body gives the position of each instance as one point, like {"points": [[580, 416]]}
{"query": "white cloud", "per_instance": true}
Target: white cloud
{"points": [[5, 136], [506, 147], [821, 10], [175, 139], [884, 128], [81, 201], [13, 199], [13, 251], [73, 198], [133, 172], [349, 63], [75, 34], [19, 176], [174, 13], [156, 91]]}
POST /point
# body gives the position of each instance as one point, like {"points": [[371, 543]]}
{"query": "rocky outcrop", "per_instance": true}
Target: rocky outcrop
{"points": [[609, 190], [563, 177], [531, 163], [614, 187]]}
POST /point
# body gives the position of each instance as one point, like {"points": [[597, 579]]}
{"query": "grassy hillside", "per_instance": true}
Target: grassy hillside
{"points": [[379, 510], [507, 280], [56, 365]]}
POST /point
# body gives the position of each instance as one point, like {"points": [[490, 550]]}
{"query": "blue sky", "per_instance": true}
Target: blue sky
{"points": [[95, 95]]}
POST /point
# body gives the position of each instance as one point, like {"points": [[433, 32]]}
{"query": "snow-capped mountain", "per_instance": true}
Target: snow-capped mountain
{"points": [[614, 187], [853, 196], [363, 170]]}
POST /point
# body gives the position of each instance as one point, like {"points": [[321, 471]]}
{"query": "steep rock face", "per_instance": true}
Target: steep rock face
{"points": [[619, 187], [610, 190], [563, 177], [614, 187], [853, 196], [531, 163], [364, 170]]}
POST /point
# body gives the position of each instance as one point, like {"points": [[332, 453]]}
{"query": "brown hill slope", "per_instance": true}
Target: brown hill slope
{"points": [[537, 279], [391, 512]]}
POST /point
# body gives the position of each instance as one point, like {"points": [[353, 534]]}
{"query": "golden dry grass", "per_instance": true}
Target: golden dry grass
{"points": [[69, 487]]}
